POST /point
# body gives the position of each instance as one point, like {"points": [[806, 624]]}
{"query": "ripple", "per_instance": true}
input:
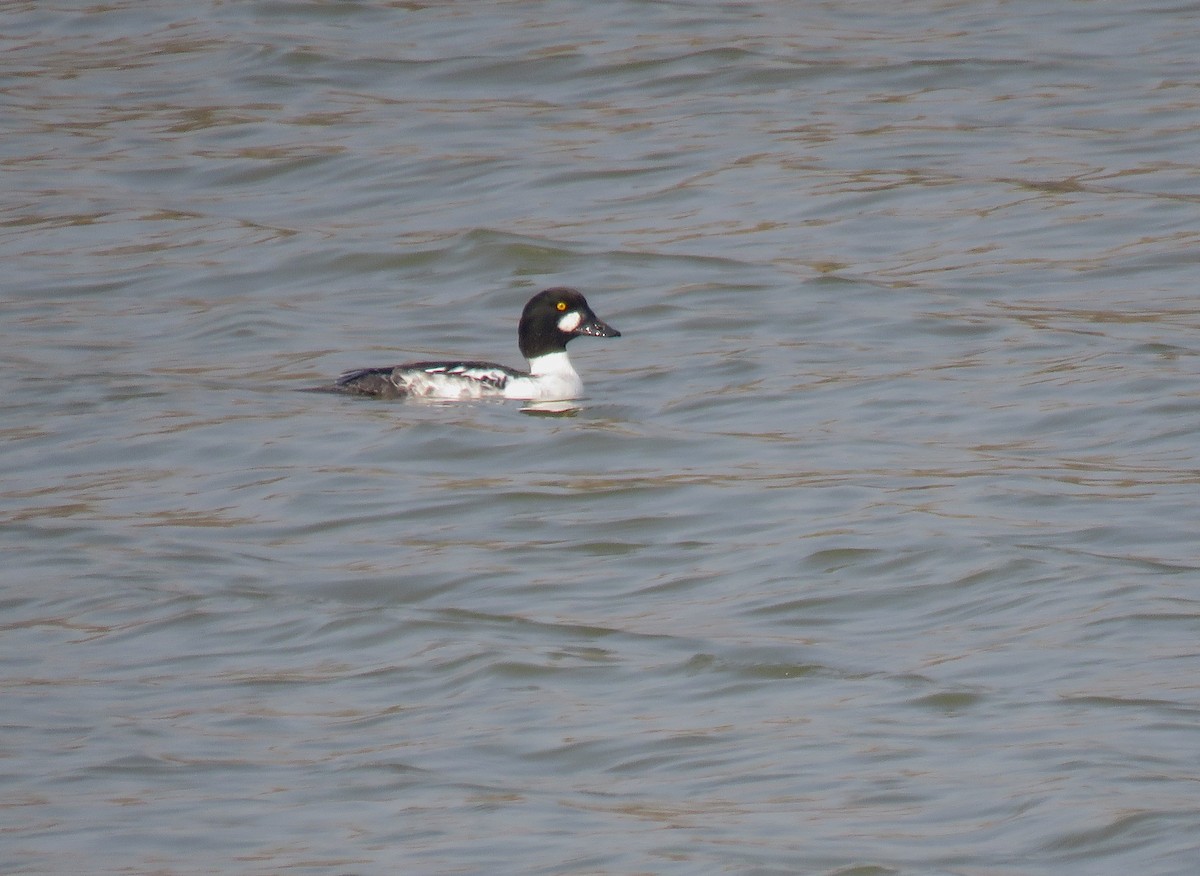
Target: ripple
{"points": [[870, 547]]}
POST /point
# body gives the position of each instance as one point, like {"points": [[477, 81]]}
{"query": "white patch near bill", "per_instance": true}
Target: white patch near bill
{"points": [[570, 321]]}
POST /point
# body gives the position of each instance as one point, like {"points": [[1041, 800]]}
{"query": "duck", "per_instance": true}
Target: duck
{"points": [[551, 319]]}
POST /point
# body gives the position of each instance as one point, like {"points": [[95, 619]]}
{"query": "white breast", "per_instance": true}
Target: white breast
{"points": [[551, 378]]}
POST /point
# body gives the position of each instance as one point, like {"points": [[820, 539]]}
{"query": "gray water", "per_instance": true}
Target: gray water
{"points": [[871, 550]]}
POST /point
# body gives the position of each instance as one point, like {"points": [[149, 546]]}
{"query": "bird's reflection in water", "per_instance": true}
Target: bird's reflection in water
{"points": [[551, 409]]}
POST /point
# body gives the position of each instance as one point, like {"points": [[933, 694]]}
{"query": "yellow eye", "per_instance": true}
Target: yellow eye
{"points": [[562, 305]]}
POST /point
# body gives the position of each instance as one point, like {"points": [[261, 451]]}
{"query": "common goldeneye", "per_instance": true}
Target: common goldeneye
{"points": [[550, 320]]}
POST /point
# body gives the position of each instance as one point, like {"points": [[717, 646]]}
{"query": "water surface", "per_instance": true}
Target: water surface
{"points": [[871, 550]]}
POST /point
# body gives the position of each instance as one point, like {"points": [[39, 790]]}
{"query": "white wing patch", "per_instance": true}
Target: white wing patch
{"points": [[455, 380], [490, 375], [551, 378]]}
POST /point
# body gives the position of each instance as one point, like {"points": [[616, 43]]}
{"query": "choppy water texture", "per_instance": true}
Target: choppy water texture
{"points": [[872, 550]]}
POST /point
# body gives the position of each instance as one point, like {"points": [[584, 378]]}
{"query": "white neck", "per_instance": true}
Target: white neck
{"points": [[552, 364]]}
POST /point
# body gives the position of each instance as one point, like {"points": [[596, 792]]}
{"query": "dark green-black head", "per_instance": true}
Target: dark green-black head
{"points": [[555, 316]]}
